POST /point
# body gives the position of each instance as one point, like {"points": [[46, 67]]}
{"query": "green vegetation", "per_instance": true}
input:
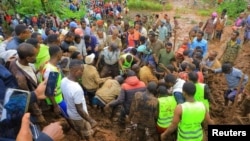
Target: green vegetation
{"points": [[35, 7], [234, 8], [148, 5], [205, 12]]}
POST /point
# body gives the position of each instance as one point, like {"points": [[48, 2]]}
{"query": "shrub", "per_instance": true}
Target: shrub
{"points": [[234, 8], [34, 7]]}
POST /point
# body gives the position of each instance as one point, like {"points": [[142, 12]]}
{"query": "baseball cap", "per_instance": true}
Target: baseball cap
{"points": [[72, 25]]}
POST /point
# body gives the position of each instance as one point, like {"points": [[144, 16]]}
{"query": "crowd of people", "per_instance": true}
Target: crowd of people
{"points": [[110, 65]]}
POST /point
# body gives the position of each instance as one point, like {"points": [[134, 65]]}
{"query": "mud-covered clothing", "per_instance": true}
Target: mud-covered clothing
{"points": [[156, 46], [109, 90], [231, 52], [143, 113], [233, 78], [91, 79], [128, 89], [27, 81], [146, 75]]}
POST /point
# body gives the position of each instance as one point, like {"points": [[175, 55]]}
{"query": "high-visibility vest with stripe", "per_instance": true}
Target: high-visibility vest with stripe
{"points": [[58, 96], [189, 128], [126, 64], [199, 94], [167, 106]]}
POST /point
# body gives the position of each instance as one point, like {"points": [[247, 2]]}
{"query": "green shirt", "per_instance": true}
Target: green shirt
{"points": [[165, 57], [42, 57]]}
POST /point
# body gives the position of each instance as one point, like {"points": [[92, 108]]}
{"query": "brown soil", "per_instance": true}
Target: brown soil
{"points": [[220, 113]]}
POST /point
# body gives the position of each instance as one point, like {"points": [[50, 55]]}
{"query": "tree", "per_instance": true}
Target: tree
{"points": [[33, 7]]}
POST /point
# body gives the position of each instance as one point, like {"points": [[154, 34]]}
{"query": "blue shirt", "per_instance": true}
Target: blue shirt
{"points": [[202, 44], [87, 31], [14, 43], [233, 78], [93, 43], [163, 33]]}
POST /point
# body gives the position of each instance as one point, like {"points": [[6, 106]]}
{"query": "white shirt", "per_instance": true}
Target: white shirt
{"points": [[81, 48], [73, 94], [178, 85]]}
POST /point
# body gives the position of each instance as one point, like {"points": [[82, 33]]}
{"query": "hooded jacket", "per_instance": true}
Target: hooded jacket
{"points": [[131, 85]]}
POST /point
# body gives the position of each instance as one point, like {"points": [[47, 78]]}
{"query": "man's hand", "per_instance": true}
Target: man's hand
{"points": [[89, 48], [40, 90], [93, 123], [56, 109], [210, 70], [54, 131], [96, 49], [163, 137], [107, 109], [25, 132]]}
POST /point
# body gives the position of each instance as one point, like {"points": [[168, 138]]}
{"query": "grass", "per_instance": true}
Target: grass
{"points": [[205, 12], [148, 5]]}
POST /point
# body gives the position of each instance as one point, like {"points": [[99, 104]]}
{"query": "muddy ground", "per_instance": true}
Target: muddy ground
{"points": [[220, 113]]}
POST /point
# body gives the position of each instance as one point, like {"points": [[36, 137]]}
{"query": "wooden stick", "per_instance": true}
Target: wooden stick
{"points": [[174, 39]]}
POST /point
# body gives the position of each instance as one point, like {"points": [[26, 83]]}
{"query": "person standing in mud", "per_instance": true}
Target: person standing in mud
{"points": [[233, 78], [184, 117], [143, 114], [76, 105], [130, 86], [232, 49], [209, 27], [167, 105], [202, 93]]}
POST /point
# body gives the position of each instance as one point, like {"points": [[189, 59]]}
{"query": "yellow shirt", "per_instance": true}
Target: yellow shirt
{"points": [[91, 78], [146, 75], [109, 90]]}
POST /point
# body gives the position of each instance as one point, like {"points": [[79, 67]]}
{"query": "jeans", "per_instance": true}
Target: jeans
{"points": [[63, 108], [91, 95], [98, 102], [179, 97], [230, 94]]}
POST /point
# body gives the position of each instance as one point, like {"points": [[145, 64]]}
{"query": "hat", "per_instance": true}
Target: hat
{"points": [[64, 32], [214, 14], [152, 33], [99, 22], [79, 32], [90, 58], [72, 48], [143, 49], [72, 25]]}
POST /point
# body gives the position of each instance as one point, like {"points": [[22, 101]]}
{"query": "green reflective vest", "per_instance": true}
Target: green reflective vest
{"points": [[58, 96], [199, 94], [167, 106], [126, 64], [189, 128]]}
